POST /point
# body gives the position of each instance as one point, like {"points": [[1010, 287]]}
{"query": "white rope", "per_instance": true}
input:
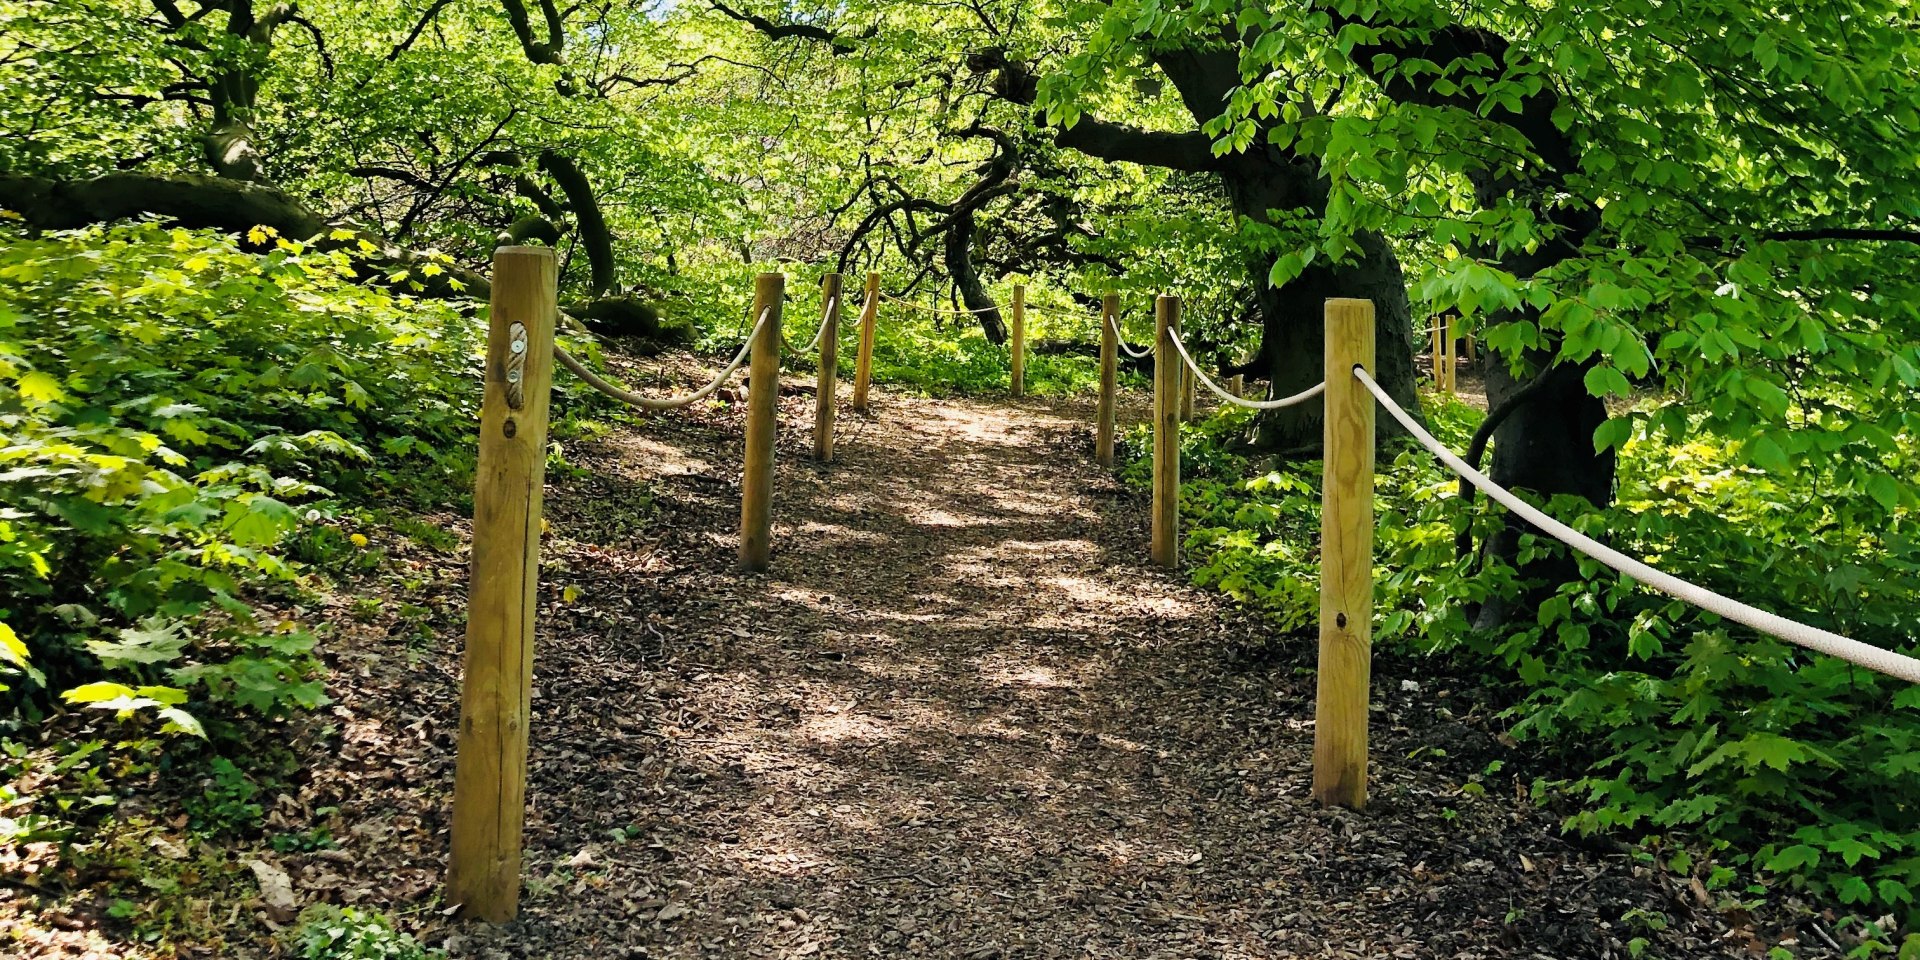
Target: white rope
{"points": [[909, 304], [1301, 397], [1076, 311], [1813, 638], [662, 403], [1121, 338], [821, 333]]}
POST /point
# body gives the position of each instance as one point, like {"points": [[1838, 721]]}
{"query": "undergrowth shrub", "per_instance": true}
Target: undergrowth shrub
{"points": [[172, 408], [1789, 768], [948, 357], [327, 932]]}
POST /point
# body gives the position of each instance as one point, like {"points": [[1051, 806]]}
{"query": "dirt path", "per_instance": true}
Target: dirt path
{"points": [[961, 718]]}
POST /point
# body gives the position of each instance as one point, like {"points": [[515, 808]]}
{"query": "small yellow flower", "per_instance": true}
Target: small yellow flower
{"points": [[358, 540]]}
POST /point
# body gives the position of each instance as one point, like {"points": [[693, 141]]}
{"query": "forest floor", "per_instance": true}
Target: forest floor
{"points": [[960, 717]]}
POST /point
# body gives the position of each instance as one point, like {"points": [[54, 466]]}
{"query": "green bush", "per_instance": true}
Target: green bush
{"points": [[172, 408], [1796, 769], [327, 932]]}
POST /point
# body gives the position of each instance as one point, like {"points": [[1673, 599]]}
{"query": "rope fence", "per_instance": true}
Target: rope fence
{"points": [[1351, 396], [935, 311], [1792, 631], [490, 781], [644, 402], [1446, 359], [490, 770], [1113, 321], [1239, 401]]}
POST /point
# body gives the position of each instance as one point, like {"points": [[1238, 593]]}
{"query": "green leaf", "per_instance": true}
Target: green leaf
{"points": [[1884, 490], [1612, 434], [12, 648], [155, 642], [180, 721], [1797, 857], [1766, 452], [1605, 381], [39, 388], [98, 692]]}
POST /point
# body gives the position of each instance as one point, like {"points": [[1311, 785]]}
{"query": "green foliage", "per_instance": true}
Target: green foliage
{"points": [[228, 801], [327, 932], [171, 410], [936, 356], [1797, 767]]}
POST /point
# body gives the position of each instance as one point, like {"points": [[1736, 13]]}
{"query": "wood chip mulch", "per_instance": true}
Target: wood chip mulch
{"points": [[961, 718]]}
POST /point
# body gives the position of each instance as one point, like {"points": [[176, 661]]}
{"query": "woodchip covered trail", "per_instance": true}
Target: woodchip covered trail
{"points": [[961, 717]]}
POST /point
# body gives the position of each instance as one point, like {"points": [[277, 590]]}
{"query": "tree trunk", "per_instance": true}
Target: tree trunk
{"points": [[958, 254], [1545, 446], [1293, 331]]}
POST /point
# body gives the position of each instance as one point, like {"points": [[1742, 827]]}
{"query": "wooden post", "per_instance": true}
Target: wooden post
{"points": [[1453, 358], [828, 383], [1471, 357], [1237, 385], [1103, 416], [763, 400], [863, 358], [490, 769], [1346, 562], [1438, 383], [1167, 368], [1019, 340]]}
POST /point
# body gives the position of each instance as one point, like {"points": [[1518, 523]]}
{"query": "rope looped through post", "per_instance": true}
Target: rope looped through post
{"points": [[938, 311], [644, 402], [1224, 394], [1120, 339]]}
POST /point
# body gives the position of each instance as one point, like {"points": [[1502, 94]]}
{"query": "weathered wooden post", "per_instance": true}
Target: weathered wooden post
{"points": [[763, 400], [1438, 382], [1166, 434], [1346, 561], [828, 383], [1452, 348], [1019, 385], [863, 357], [490, 769], [1103, 416], [1237, 385]]}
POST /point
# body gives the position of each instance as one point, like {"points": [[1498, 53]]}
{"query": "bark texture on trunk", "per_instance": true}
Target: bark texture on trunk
{"points": [[1544, 446]]}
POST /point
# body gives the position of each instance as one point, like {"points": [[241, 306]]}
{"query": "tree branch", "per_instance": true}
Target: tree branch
{"points": [[593, 229], [419, 27], [1014, 82], [839, 45], [537, 52]]}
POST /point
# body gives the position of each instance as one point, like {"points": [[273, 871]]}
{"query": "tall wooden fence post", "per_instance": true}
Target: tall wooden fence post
{"points": [[1019, 384], [763, 405], [863, 357], [1166, 434], [828, 383], [1438, 382], [1452, 348], [490, 770], [1346, 562], [1103, 416]]}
